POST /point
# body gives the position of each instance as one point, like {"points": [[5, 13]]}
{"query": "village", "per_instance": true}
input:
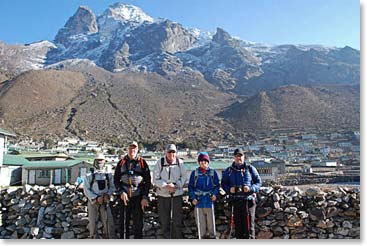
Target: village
{"points": [[287, 157]]}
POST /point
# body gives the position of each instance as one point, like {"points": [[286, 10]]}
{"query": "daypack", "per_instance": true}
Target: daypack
{"points": [[211, 174], [94, 177], [140, 160], [249, 166], [162, 164]]}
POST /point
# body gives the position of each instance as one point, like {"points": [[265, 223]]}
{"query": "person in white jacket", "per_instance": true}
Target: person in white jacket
{"points": [[169, 177], [98, 187]]}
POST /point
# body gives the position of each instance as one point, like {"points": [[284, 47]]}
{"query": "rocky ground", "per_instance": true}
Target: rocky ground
{"points": [[312, 212]]}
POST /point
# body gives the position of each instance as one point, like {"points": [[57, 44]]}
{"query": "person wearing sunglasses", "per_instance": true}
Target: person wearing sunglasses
{"points": [[169, 177], [241, 181]]}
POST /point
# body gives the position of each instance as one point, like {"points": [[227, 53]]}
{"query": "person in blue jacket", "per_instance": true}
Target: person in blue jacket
{"points": [[203, 192], [242, 181]]}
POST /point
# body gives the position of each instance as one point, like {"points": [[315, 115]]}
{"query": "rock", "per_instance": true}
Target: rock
{"points": [[14, 235], [50, 210], [68, 235], [35, 231], [297, 215], [263, 212], [294, 221], [79, 222], [291, 210], [322, 224], [276, 197], [350, 213], [266, 190], [313, 191], [277, 230], [317, 214], [264, 234], [347, 224], [342, 231], [302, 214], [331, 212]]}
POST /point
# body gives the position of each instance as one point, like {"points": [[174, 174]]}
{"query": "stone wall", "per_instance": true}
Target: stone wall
{"points": [[282, 213]]}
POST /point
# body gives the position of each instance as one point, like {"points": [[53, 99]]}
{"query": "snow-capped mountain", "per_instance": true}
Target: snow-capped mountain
{"points": [[186, 82], [124, 38], [121, 17]]}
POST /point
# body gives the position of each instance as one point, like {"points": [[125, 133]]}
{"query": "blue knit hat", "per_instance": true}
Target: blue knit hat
{"points": [[203, 156]]}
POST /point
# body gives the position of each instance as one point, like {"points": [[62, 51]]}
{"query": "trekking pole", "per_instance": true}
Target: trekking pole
{"points": [[171, 218], [107, 206], [98, 219], [198, 220], [215, 231], [125, 221], [232, 222], [248, 220]]}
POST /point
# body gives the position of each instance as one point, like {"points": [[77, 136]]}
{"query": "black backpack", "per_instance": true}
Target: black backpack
{"points": [[94, 177]]}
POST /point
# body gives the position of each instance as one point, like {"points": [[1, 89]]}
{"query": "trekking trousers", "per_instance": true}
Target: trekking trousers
{"points": [[244, 218], [206, 222], [134, 212], [106, 219], [164, 209]]}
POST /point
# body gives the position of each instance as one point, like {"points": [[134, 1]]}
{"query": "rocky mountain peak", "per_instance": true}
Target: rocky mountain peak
{"points": [[222, 37], [82, 22], [124, 12]]}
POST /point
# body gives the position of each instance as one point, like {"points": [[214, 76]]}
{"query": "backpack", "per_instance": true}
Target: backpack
{"points": [[162, 164], [248, 166], [94, 177], [211, 174], [140, 160]]}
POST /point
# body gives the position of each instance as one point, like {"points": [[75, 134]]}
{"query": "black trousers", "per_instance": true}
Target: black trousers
{"points": [[164, 212], [244, 218], [132, 210]]}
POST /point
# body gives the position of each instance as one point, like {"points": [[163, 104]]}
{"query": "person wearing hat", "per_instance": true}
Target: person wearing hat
{"points": [[133, 181], [242, 181], [98, 187], [169, 177], [203, 192]]}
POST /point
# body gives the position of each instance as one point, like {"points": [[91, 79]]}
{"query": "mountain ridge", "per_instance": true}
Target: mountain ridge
{"points": [[181, 83]]}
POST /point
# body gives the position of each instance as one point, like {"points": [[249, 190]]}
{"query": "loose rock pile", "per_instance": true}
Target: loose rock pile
{"points": [[61, 212]]}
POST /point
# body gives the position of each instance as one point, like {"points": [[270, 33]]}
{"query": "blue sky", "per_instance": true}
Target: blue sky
{"points": [[326, 22]]}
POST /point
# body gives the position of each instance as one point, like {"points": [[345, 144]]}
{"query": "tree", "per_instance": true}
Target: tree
{"points": [[120, 152], [111, 151], [48, 143]]}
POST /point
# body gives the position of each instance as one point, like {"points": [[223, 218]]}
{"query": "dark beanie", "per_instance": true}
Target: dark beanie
{"points": [[203, 156]]}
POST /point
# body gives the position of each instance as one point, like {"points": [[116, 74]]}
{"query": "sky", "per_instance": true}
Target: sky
{"points": [[325, 22]]}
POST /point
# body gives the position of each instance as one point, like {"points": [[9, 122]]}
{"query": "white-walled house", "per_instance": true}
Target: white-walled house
{"points": [[11, 171], [4, 134]]}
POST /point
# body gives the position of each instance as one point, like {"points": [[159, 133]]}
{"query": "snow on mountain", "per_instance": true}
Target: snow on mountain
{"points": [[124, 12], [120, 17], [20, 58], [71, 63], [203, 37]]}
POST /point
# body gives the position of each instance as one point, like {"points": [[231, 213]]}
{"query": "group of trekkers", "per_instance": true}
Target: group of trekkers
{"points": [[132, 182]]}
